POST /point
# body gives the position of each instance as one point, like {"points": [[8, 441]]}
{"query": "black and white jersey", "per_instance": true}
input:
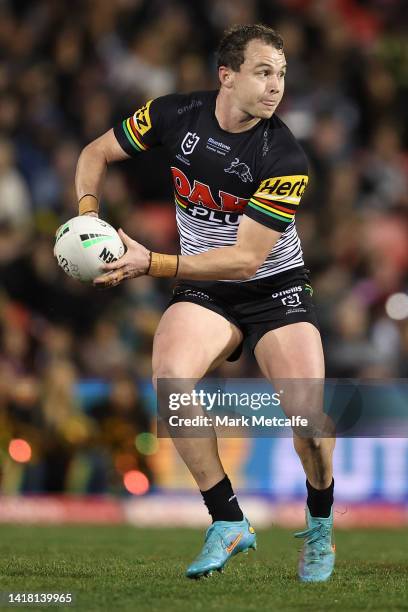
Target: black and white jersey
{"points": [[219, 176]]}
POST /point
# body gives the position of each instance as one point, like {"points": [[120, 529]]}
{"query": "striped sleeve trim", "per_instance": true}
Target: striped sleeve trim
{"points": [[277, 198], [133, 136], [273, 210]]}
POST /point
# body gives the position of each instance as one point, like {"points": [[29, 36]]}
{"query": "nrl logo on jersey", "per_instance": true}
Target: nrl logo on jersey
{"points": [[189, 143], [241, 169]]}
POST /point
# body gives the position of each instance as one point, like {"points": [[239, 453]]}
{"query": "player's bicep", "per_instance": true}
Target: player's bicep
{"points": [[109, 146], [256, 240]]}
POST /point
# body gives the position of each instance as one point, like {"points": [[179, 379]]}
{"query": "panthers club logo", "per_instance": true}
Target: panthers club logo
{"points": [[241, 169], [189, 143]]}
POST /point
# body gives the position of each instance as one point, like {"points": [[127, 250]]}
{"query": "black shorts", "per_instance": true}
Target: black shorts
{"points": [[257, 306]]}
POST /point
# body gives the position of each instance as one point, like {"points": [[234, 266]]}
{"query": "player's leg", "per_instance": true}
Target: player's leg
{"points": [[295, 352], [190, 341]]}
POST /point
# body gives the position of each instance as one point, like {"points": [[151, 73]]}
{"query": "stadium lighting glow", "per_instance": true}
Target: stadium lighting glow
{"points": [[396, 306], [136, 482], [19, 450], [146, 443]]}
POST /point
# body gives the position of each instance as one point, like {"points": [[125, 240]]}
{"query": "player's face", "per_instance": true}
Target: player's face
{"points": [[259, 85]]}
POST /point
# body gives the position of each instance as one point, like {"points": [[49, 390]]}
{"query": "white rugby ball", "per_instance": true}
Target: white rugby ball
{"points": [[84, 244]]}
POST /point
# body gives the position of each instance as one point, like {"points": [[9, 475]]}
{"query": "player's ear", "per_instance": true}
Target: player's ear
{"points": [[226, 76]]}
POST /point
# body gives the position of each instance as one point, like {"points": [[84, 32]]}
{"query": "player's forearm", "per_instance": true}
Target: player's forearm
{"points": [[237, 262], [90, 172], [224, 263]]}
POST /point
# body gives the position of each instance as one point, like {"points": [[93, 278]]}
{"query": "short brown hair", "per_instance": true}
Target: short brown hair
{"points": [[232, 47]]}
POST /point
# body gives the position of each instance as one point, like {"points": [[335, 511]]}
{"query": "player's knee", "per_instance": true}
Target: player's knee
{"points": [[314, 444], [175, 372], [310, 445]]}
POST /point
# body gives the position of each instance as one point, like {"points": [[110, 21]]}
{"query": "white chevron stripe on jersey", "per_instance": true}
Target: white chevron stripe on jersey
{"points": [[198, 235]]}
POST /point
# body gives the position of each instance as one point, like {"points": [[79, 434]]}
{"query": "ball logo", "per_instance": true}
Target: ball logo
{"points": [[107, 256], [189, 143], [240, 169], [63, 263]]}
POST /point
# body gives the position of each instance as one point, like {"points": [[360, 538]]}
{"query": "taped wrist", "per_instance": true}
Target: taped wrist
{"points": [[88, 203], [163, 265]]}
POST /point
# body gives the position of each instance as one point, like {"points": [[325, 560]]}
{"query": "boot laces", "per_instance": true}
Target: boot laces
{"points": [[315, 539]]}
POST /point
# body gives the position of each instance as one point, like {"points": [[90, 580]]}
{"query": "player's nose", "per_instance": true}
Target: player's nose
{"points": [[274, 84]]}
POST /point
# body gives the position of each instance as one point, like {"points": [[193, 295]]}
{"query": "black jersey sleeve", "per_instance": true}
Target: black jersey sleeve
{"points": [[148, 126], [283, 182]]}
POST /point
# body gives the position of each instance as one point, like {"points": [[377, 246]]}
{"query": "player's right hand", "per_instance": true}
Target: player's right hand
{"points": [[134, 263]]}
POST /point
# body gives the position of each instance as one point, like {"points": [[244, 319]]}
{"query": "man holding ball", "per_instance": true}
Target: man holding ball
{"points": [[239, 176]]}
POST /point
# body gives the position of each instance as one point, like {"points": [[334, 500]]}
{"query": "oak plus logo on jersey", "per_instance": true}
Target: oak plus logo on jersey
{"points": [[200, 194], [241, 169], [189, 143]]}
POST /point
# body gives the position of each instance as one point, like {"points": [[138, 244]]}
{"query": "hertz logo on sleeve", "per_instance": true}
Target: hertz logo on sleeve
{"points": [[284, 188], [142, 119]]}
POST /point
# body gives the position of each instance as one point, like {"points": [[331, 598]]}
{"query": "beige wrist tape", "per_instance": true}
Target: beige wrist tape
{"points": [[163, 265], [88, 203]]}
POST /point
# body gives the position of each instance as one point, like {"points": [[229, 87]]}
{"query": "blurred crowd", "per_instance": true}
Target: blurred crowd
{"points": [[67, 75]]}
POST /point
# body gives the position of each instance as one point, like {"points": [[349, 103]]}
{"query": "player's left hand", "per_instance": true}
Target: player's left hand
{"points": [[135, 262]]}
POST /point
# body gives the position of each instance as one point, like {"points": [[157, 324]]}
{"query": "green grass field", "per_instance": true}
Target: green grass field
{"points": [[120, 568]]}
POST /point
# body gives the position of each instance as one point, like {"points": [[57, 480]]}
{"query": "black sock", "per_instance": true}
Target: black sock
{"points": [[222, 502], [319, 501]]}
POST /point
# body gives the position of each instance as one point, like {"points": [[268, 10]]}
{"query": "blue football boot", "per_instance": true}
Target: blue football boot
{"points": [[317, 559], [223, 540]]}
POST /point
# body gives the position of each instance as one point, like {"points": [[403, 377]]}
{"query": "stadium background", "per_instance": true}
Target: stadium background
{"points": [[76, 403]]}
